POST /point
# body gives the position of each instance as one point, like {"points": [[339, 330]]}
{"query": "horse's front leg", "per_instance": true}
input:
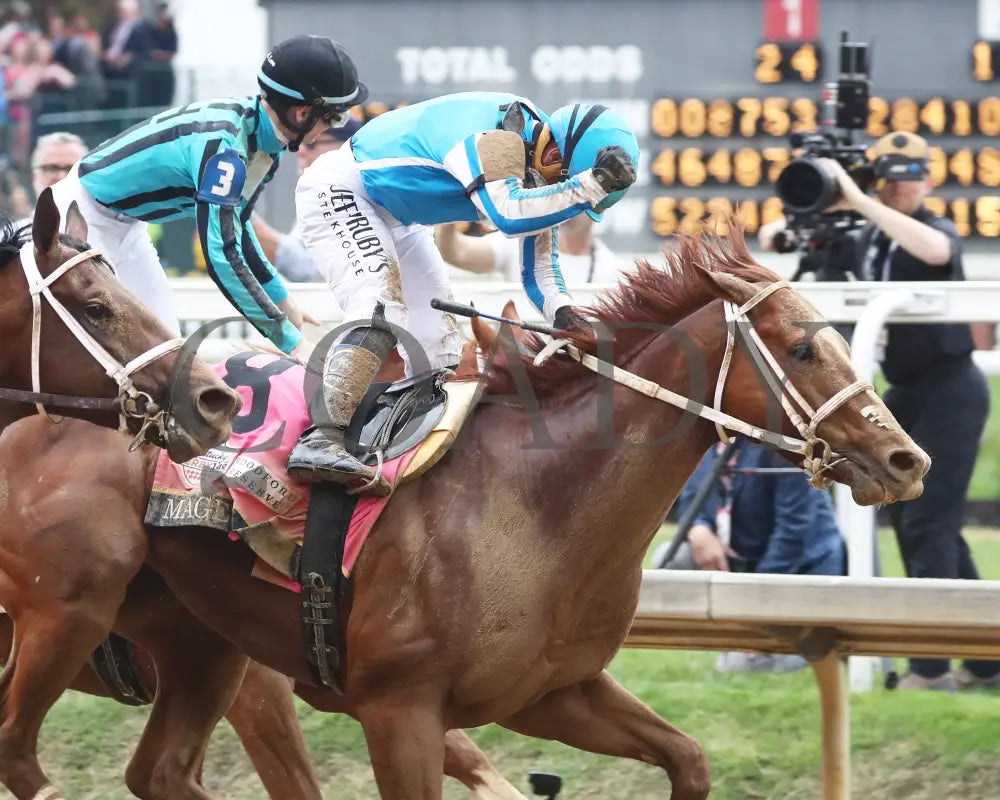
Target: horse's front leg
{"points": [[198, 675], [601, 716], [405, 735], [263, 716]]}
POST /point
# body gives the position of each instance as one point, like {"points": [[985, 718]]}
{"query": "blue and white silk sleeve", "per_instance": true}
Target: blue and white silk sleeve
{"points": [[540, 273], [513, 209]]}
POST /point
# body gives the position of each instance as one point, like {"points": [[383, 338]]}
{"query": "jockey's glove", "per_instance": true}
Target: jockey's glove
{"points": [[567, 317], [613, 169]]}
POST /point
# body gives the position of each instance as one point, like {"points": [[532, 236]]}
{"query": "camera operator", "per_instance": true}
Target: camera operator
{"points": [[936, 392]]}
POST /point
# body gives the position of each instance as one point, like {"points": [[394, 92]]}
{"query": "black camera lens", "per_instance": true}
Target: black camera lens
{"points": [[807, 186]]}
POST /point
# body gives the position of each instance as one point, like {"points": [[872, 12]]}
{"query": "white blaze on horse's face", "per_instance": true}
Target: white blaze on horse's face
{"points": [[873, 414]]}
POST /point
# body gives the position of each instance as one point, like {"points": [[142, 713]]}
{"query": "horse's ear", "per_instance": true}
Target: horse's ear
{"points": [[76, 225], [510, 311], [485, 335], [45, 224], [731, 287]]}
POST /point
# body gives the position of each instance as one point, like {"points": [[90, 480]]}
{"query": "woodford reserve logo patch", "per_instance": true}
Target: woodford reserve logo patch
{"points": [[219, 472]]}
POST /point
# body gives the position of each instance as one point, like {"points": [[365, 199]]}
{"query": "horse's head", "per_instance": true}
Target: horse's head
{"points": [[800, 356], [74, 329]]}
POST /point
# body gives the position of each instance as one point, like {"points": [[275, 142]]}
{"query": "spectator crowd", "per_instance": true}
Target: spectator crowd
{"points": [[57, 57]]}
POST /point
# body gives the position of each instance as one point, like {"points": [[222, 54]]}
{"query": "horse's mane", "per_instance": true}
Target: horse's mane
{"points": [[12, 238], [648, 294]]}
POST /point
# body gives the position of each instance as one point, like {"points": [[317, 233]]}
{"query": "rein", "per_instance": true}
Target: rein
{"points": [[131, 402], [59, 400], [817, 454]]}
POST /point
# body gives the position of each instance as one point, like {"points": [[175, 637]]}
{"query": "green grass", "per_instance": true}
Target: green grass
{"points": [[761, 733]]}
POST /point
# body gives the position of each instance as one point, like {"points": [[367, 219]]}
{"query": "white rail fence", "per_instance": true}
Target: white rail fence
{"points": [[868, 306], [823, 618]]}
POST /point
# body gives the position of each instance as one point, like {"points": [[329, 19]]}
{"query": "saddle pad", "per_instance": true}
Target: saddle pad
{"points": [[366, 514], [249, 470], [246, 477], [462, 398]]}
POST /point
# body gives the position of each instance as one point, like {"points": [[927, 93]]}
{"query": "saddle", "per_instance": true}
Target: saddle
{"points": [[394, 417]]}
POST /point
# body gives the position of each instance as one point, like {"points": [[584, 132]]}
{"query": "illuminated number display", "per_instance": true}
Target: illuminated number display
{"points": [[710, 157], [979, 216], [788, 62], [985, 61], [672, 215], [750, 117], [749, 167]]}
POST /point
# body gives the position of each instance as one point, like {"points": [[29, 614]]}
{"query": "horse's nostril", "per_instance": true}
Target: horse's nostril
{"points": [[214, 404], [905, 462]]}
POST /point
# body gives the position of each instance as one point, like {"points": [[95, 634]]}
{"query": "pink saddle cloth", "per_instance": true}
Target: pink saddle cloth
{"points": [[249, 470]]}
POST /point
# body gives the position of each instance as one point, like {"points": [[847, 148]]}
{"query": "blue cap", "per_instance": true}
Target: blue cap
{"points": [[580, 130]]}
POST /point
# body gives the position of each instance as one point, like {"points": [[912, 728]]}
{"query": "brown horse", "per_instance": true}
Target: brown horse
{"points": [[117, 321], [265, 719], [502, 599], [69, 327]]}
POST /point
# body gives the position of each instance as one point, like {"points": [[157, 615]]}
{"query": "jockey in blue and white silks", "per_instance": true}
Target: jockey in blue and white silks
{"points": [[364, 213]]}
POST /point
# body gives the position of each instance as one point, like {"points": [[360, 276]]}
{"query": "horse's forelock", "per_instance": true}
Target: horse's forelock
{"points": [[12, 238]]}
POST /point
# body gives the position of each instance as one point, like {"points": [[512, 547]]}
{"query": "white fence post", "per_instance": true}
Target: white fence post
{"points": [[857, 522]]}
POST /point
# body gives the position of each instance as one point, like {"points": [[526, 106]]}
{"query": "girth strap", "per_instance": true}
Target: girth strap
{"points": [[325, 589], [115, 664]]}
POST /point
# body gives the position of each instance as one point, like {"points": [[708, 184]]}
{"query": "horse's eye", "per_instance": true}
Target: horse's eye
{"points": [[803, 351], [96, 311]]}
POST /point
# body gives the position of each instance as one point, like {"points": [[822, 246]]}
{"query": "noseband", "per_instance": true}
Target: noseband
{"points": [[131, 402], [817, 455]]}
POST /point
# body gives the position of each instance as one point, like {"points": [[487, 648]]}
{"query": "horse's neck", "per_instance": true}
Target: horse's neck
{"points": [[631, 471], [14, 374], [666, 443]]}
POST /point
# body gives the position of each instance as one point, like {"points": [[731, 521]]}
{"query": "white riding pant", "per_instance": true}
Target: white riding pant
{"points": [[125, 243], [369, 257]]}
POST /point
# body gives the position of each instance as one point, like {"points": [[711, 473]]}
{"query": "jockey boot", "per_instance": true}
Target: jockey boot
{"points": [[320, 455]]}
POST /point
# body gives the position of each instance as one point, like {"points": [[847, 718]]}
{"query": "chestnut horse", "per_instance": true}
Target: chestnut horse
{"points": [[120, 324], [263, 713], [502, 598]]}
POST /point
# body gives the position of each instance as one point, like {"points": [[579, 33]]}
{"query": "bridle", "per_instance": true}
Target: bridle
{"points": [[131, 402], [817, 455]]}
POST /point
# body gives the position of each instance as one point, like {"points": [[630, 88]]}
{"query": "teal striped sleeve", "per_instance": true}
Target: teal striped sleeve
{"points": [[274, 285], [541, 275], [513, 209], [220, 231]]}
